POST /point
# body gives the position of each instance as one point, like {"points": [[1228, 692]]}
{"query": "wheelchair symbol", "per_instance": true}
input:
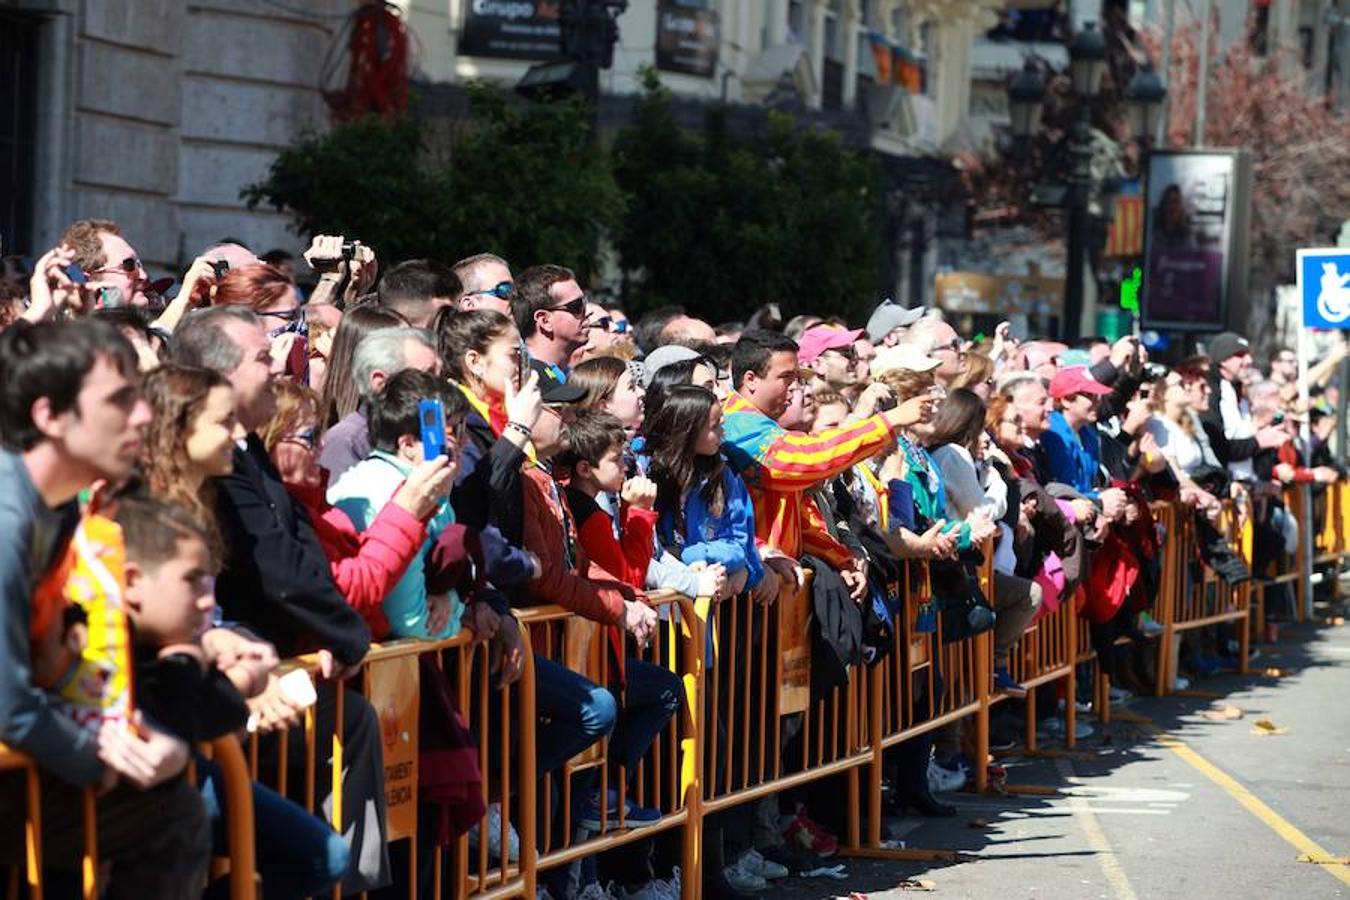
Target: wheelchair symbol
{"points": [[1333, 302]]}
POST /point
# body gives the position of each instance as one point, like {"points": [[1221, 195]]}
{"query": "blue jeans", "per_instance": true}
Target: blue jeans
{"points": [[298, 854], [650, 698], [578, 713]]}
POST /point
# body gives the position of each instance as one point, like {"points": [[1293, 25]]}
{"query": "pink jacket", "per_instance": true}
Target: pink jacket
{"points": [[365, 566]]}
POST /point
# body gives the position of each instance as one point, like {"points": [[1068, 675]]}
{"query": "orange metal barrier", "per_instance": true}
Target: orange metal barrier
{"points": [[1186, 601], [238, 801]]}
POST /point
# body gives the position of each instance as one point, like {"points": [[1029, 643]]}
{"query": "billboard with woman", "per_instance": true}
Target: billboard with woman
{"points": [[1194, 219]]}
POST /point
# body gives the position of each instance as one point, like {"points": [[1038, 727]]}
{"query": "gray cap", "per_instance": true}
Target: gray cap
{"points": [[1226, 344], [889, 316], [663, 356]]}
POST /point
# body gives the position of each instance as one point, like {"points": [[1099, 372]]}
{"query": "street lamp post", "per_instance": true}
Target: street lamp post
{"points": [[1026, 92]]}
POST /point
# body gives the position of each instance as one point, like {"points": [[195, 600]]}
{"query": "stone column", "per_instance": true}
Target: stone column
{"points": [[850, 17]]}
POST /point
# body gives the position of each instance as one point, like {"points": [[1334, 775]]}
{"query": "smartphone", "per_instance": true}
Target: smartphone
{"points": [[76, 274], [431, 415], [220, 267]]}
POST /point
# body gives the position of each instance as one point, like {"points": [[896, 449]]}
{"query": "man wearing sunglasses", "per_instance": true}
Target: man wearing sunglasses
{"points": [[486, 283], [550, 311], [113, 267], [935, 338]]}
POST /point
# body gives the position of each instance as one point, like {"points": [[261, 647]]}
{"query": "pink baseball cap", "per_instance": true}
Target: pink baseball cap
{"points": [[824, 337], [1075, 380]]}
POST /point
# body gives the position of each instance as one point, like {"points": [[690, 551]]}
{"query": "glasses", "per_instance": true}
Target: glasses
{"points": [[308, 438], [131, 265], [953, 347], [575, 307], [609, 324], [849, 354], [502, 290], [288, 315]]}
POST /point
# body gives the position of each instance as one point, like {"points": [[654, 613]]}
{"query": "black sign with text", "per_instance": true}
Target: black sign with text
{"points": [[687, 40], [511, 29]]}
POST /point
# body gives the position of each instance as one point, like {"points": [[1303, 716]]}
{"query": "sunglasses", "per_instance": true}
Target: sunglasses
{"points": [[502, 290], [575, 307], [308, 438], [610, 325], [131, 265], [848, 353]]}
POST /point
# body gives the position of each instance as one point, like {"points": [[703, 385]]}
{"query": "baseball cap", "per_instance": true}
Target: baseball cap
{"points": [[1226, 344], [1075, 380], [666, 355], [889, 316], [553, 391], [820, 338], [902, 356]]}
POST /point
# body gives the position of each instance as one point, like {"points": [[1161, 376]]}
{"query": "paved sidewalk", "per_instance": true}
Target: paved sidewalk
{"points": [[1199, 809]]}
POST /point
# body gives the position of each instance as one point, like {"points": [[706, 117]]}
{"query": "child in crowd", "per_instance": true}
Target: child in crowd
{"points": [[421, 604]]}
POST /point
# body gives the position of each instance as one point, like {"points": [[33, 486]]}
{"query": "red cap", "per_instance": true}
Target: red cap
{"points": [[1075, 380], [824, 337]]}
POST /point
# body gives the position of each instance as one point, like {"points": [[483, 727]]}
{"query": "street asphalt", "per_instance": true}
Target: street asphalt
{"points": [[1179, 806]]}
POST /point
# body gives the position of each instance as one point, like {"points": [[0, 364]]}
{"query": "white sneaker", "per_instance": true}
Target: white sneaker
{"points": [[656, 889], [941, 780], [594, 891], [494, 841], [1181, 683], [1082, 707], [767, 869], [742, 879], [1120, 696]]}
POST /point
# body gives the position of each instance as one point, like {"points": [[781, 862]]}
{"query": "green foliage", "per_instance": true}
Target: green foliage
{"points": [[521, 182], [717, 221], [722, 223]]}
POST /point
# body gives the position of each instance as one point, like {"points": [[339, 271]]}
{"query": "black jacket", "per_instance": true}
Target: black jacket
{"points": [[276, 577], [1226, 450], [488, 497]]}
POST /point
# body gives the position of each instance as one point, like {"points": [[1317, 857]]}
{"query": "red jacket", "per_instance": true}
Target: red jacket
{"points": [[625, 558], [365, 566], [550, 531]]}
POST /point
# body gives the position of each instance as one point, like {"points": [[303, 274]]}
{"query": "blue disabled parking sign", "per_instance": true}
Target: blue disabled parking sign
{"points": [[1324, 287]]}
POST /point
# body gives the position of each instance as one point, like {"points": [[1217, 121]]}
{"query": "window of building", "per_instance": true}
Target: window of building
{"points": [[18, 131]]}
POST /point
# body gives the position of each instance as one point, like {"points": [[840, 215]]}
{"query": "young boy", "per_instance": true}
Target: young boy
{"points": [[191, 680], [598, 443], [424, 603], [595, 459]]}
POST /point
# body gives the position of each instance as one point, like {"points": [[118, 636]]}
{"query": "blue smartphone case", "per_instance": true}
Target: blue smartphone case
{"points": [[431, 415]]}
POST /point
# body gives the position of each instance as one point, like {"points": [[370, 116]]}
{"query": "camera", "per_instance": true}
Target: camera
{"points": [[1154, 371]]}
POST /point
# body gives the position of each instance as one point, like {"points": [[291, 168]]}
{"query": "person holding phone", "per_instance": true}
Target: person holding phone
{"points": [[416, 417]]}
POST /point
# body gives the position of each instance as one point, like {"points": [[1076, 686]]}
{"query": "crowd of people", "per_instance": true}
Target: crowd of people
{"points": [[249, 472]]}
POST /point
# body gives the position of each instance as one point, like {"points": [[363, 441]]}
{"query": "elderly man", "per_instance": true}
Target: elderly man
{"points": [[934, 337], [379, 356]]}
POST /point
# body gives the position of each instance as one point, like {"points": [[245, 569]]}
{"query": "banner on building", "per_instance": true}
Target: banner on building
{"points": [[1195, 238], [511, 29], [688, 39]]}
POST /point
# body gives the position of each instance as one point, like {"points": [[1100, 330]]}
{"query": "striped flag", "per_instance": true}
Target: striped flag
{"points": [[1126, 237]]}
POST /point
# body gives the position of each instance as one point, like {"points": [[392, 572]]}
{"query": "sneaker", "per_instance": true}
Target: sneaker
{"points": [[494, 827], [634, 816], [1119, 696], [809, 836], [1082, 706], [957, 762], [1004, 683], [742, 879], [941, 780], [594, 891], [754, 861], [1148, 626], [790, 856], [1002, 740], [656, 889], [1181, 683], [1055, 728]]}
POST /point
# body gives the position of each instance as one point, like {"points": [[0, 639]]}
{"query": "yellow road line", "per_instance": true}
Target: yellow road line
{"points": [[1096, 838], [1249, 801]]}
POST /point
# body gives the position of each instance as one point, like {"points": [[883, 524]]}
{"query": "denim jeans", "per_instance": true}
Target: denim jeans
{"points": [[298, 853], [650, 698], [578, 712]]}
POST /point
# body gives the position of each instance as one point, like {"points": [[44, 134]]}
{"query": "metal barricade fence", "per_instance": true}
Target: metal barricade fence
{"points": [[1193, 595], [238, 802]]}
